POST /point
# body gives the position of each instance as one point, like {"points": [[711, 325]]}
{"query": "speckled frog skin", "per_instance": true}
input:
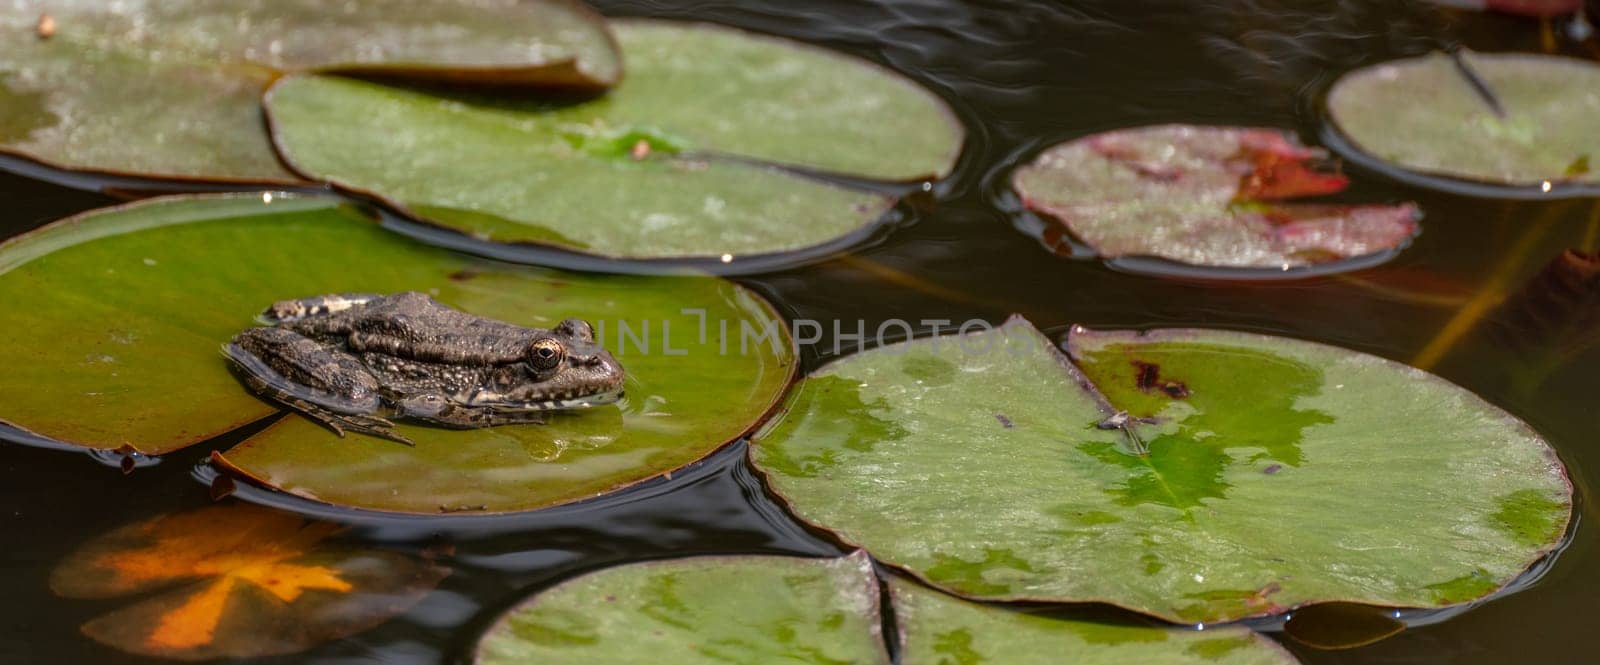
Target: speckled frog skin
{"points": [[349, 360]]}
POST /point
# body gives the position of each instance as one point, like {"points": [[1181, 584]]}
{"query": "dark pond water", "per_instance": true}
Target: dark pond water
{"points": [[1022, 76]]}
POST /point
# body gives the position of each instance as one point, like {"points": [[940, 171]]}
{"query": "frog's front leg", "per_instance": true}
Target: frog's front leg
{"points": [[436, 409], [327, 385], [285, 311]]}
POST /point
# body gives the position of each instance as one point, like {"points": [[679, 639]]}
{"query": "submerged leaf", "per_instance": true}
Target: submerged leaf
{"points": [[172, 88], [737, 609], [936, 629], [1558, 311], [1424, 114], [1194, 475], [237, 581], [680, 160], [1205, 196], [117, 318]]}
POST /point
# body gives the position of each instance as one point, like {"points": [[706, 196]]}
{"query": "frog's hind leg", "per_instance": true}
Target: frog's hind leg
{"points": [[327, 386], [285, 311]]}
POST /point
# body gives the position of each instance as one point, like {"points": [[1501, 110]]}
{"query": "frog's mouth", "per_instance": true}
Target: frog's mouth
{"points": [[499, 403], [584, 402]]}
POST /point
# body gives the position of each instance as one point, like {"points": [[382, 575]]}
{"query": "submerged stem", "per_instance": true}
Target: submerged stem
{"points": [[1490, 294], [1591, 231]]}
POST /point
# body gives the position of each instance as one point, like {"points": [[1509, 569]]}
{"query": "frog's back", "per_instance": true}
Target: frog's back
{"points": [[413, 325]]}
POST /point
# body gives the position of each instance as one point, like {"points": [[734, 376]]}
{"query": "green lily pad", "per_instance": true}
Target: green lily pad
{"points": [[172, 88], [741, 609], [936, 629], [1206, 196], [767, 609], [118, 318], [1425, 115], [679, 160], [1273, 472]]}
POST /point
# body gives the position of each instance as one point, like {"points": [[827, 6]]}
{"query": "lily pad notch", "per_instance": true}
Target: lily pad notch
{"points": [[1202, 201], [1192, 475], [720, 147]]}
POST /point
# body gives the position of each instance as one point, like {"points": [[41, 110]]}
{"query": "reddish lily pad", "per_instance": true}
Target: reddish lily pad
{"points": [[1432, 117], [1206, 196], [171, 88], [118, 318], [1193, 475], [684, 159], [237, 581]]}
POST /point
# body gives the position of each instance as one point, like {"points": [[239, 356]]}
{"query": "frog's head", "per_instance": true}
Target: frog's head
{"points": [[565, 369]]}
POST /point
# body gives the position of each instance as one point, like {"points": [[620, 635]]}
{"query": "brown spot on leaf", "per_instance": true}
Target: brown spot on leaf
{"points": [[1004, 421], [463, 275], [1147, 377], [1272, 468]]}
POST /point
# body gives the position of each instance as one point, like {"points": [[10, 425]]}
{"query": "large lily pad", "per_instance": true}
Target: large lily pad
{"points": [[117, 319], [677, 161], [1206, 196], [753, 609], [172, 88], [237, 581], [766, 609], [1428, 115], [936, 629], [1193, 475]]}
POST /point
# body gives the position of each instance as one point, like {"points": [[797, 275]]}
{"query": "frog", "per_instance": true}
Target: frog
{"points": [[358, 361]]}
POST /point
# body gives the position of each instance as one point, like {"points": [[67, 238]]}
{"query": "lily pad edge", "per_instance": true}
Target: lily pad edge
{"points": [[892, 589], [1078, 377], [952, 120]]}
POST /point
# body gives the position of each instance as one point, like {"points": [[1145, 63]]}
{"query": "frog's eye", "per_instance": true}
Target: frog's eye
{"points": [[546, 354]]}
